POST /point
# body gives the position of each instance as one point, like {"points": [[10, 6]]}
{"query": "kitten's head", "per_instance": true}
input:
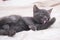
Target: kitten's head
{"points": [[41, 15]]}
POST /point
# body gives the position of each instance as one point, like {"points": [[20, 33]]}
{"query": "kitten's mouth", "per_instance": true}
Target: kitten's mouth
{"points": [[44, 22]]}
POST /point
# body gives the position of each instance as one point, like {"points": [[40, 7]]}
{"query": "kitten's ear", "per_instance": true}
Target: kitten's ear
{"points": [[35, 8], [50, 10]]}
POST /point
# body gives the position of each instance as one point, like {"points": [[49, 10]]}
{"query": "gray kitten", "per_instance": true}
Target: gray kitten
{"points": [[14, 23]]}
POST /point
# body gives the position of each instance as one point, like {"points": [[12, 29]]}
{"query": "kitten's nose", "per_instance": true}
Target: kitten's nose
{"points": [[45, 18]]}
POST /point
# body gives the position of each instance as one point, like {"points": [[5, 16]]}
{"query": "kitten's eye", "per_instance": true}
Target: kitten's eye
{"points": [[41, 17]]}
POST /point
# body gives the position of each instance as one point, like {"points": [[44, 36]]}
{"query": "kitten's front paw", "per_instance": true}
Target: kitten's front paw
{"points": [[52, 20], [33, 27]]}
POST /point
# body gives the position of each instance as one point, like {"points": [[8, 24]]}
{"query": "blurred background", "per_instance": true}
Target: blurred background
{"points": [[24, 7]]}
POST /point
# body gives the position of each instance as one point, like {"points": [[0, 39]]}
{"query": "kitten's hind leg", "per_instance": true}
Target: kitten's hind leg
{"points": [[3, 32], [11, 32], [48, 24], [6, 27], [8, 33]]}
